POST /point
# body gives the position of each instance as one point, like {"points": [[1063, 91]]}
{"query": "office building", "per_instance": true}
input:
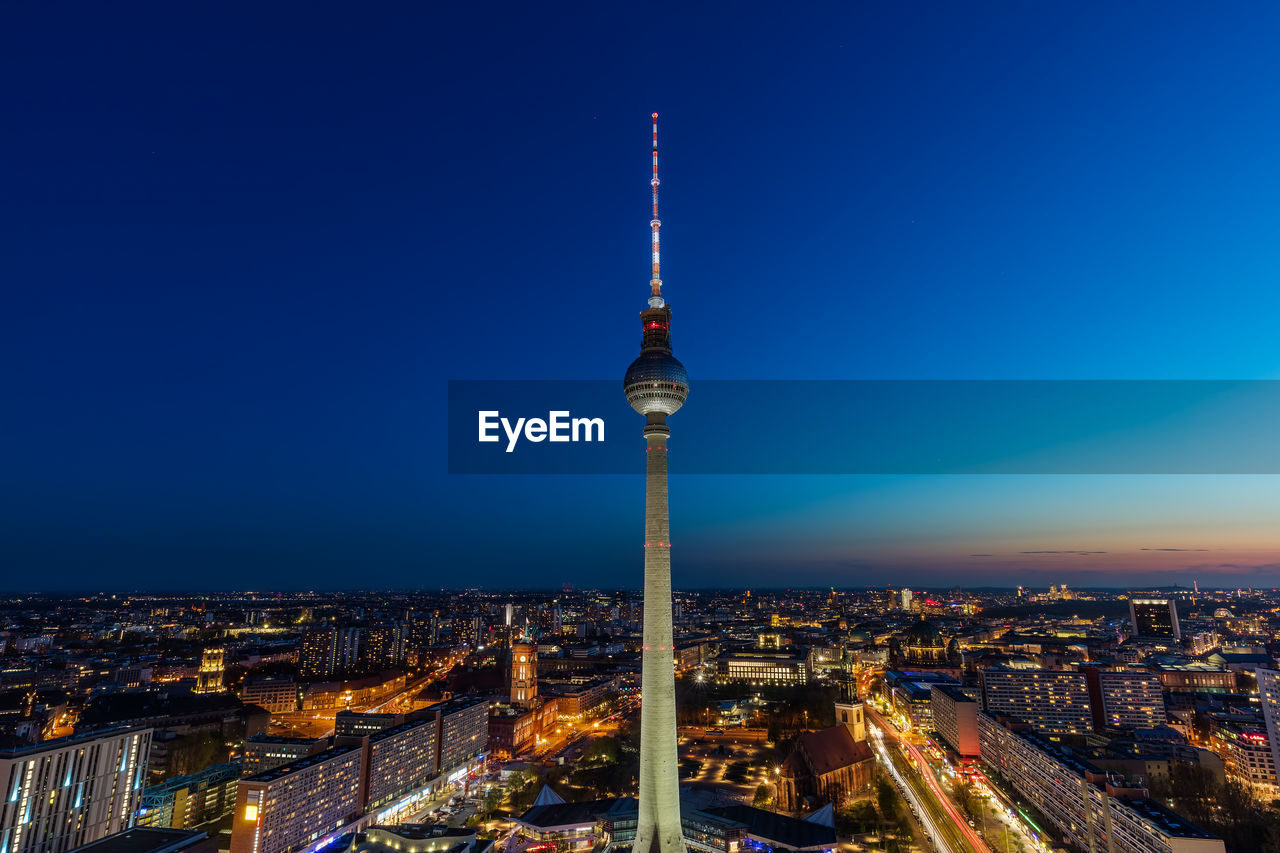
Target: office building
{"points": [[1096, 811], [186, 802], [64, 793], [911, 694], [955, 718], [1155, 619], [1049, 700], [1194, 678], [656, 386], [762, 667], [278, 693], [284, 809]]}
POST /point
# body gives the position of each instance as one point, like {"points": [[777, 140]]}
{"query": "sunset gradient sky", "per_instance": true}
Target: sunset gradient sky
{"points": [[247, 245]]}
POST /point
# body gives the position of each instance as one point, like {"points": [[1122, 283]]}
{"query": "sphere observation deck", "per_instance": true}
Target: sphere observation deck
{"points": [[656, 383]]}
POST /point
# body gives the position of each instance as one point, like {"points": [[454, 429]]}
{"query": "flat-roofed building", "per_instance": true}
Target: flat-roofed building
{"points": [[1054, 701], [281, 810], [146, 839], [1094, 810], [1155, 618], [401, 760], [1195, 678], [462, 730], [418, 838], [762, 667], [354, 724], [911, 694], [1130, 700], [267, 752], [1246, 754], [955, 719], [186, 802], [278, 694], [65, 793]]}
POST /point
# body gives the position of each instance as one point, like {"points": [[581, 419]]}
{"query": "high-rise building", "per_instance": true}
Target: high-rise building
{"points": [[524, 671], [382, 647], [1049, 700], [402, 759], [329, 651], [656, 386], [71, 791], [906, 599], [316, 653], [1128, 700], [462, 730], [283, 809], [1155, 618], [212, 666]]}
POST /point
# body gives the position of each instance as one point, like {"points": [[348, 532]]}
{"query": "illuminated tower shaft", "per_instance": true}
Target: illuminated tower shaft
{"points": [[656, 386]]}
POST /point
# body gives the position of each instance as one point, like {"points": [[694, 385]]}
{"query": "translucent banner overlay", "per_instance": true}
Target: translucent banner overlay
{"points": [[874, 427]]}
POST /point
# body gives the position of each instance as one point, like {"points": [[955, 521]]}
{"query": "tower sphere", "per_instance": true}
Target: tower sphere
{"points": [[656, 382]]}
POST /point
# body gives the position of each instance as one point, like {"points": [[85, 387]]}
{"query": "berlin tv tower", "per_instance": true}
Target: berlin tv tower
{"points": [[656, 386]]}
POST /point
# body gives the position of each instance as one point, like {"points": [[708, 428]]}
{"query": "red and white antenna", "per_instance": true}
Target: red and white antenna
{"points": [[655, 283]]}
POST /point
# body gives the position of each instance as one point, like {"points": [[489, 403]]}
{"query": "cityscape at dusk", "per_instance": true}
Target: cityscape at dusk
{"points": [[368, 491]]}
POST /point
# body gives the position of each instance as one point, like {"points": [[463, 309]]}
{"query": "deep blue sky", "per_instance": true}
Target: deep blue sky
{"points": [[245, 245]]}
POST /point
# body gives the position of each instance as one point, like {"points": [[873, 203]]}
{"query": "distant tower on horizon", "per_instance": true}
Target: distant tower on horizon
{"points": [[656, 386]]}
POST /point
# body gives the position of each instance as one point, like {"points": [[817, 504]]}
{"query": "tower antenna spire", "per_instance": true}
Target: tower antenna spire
{"points": [[655, 283]]}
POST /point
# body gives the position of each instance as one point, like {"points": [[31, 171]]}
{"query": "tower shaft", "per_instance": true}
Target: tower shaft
{"points": [[656, 385], [659, 826]]}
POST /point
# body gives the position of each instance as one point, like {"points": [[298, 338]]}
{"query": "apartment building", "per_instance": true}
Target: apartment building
{"points": [[1097, 812], [281, 810], [1051, 701]]}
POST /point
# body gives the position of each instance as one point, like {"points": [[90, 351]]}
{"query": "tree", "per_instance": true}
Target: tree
{"points": [[763, 797], [603, 750], [887, 800]]}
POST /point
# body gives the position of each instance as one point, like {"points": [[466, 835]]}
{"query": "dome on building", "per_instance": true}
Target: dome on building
{"points": [[923, 635], [923, 645]]}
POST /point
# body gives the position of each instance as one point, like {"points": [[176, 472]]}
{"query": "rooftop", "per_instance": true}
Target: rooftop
{"points": [[779, 829], [300, 764], [144, 839], [69, 740]]}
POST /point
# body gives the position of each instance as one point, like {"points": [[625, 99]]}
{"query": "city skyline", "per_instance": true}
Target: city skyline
{"points": [[242, 286]]}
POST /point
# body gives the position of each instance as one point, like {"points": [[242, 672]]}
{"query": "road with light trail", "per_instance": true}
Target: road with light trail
{"points": [[940, 796]]}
